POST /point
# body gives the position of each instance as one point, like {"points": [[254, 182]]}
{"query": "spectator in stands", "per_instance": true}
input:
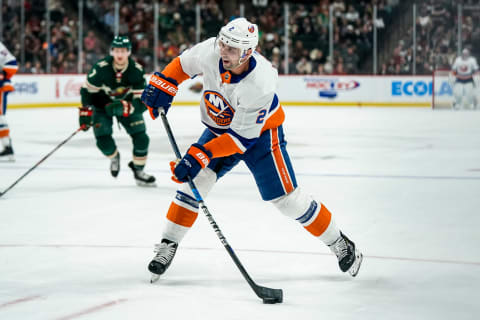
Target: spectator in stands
{"points": [[383, 69], [339, 67], [351, 60], [328, 66], [90, 42], [276, 61], [439, 13], [352, 15], [320, 70], [424, 20], [304, 66], [109, 18]]}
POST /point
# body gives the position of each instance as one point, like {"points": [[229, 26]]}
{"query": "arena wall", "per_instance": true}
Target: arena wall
{"points": [[373, 91]]}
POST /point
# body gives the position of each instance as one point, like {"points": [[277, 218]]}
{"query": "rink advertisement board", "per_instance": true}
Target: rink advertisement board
{"points": [[375, 91]]}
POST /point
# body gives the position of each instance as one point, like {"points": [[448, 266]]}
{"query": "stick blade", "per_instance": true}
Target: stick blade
{"points": [[269, 295]]}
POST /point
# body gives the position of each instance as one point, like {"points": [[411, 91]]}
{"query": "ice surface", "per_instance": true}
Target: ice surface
{"points": [[404, 184]]}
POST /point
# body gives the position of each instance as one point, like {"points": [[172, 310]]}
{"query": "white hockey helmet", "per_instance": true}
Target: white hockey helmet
{"points": [[240, 33]]}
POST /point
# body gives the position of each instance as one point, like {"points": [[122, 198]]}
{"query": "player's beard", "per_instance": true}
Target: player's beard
{"points": [[231, 66]]}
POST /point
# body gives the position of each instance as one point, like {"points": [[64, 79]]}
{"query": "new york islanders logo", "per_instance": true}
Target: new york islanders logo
{"points": [[218, 108]]}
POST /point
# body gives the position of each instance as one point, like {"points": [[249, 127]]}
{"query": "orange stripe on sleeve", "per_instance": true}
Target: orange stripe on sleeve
{"points": [[321, 222], [275, 120], [9, 71], [175, 71], [4, 133], [280, 163], [181, 216], [7, 88], [222, 146]]}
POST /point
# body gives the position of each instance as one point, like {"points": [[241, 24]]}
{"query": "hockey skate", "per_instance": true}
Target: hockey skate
{"points": [[164, 253], [349, 257], [141, 178], [7, 154], [115, 165]]}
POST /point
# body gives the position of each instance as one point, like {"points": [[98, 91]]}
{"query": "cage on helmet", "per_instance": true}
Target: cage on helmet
{"points": [[121, 42], [240, 33]]}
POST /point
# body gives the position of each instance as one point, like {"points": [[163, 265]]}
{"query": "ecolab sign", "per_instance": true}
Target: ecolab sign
{"points": [[420, 88]]}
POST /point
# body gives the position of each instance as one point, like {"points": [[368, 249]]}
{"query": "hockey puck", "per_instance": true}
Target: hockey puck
{"points": [[270, 300]]}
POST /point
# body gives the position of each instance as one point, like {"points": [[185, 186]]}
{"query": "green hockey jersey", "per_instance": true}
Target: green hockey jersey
{"points": [[107, 84]]}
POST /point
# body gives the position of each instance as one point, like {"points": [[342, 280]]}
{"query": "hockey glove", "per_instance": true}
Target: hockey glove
{"points": [[197, 158], [5, 84], [159, 93], [85, 117], [119, 108]]}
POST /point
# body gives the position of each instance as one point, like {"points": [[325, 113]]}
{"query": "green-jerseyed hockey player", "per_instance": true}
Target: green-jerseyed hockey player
{"points": [[112, 89]]}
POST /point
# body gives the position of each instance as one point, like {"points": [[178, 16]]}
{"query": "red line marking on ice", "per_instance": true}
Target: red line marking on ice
{"points": [[461, 262], [25, 299], [99, 246], [91, 310]]}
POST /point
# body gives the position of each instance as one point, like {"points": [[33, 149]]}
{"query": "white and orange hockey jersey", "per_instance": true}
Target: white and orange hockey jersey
{"points": [[9, 66], [464, 69], [237, 108]]}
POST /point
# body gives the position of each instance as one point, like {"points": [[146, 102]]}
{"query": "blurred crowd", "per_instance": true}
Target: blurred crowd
{"points": [[63, 36], [176, 23], [308, 29], [309, 34], [436, 37]]}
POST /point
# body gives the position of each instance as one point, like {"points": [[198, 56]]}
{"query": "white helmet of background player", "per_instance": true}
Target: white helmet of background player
{"points": [[465, 54], [240, 33]]}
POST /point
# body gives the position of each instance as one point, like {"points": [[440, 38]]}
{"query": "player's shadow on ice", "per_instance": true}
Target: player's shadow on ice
{"points": [[273, 282]]}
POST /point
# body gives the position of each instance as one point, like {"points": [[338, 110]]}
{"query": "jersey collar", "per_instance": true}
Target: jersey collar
{"points": [[228, 77]]}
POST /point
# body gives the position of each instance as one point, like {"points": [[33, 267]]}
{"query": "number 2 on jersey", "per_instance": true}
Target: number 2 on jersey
{"points": [[261, 116]]}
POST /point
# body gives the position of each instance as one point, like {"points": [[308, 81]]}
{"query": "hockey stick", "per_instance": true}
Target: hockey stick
{"points": [[39, 162], [268, 295]]}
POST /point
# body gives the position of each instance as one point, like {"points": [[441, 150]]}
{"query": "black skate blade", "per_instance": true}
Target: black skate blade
{"points": [[146, 184], [8, 158], [357, 264]]}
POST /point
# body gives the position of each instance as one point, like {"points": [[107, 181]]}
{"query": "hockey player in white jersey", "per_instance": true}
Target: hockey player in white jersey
{"points": [[243, 119], [8, 65], [465, 73]]}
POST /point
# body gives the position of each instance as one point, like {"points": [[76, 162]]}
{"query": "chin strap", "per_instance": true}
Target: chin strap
{"points": [[244, 56]]}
